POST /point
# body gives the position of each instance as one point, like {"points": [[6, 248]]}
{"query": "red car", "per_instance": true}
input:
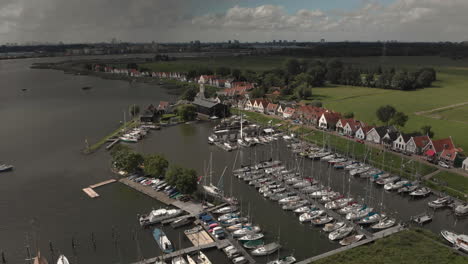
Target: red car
{"points": [[360, 141]]}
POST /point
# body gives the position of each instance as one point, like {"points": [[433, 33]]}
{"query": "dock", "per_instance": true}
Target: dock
{"points": [[110, 145], [376, 236], [191, 207], [200, 238], [182, 252], [90, 190]]}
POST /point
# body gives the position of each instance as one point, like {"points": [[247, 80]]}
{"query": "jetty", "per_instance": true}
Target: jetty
{"points": [[113, 142], [376, 236], [90, 190], [193, 208]]}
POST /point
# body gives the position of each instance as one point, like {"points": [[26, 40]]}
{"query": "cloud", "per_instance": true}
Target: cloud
{"points": [[411, 20]]}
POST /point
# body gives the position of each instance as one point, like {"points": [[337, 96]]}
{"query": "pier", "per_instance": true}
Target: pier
{"points": [[90, 190], [109, 146], [193, 208], [376, 236]]}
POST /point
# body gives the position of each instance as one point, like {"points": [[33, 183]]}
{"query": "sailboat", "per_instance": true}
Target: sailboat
{"points": [[62, 260], [211, 189]]}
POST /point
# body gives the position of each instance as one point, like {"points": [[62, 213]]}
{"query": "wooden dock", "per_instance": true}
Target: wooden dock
{"points": [[376, 236], [110, 145], [200, 238], [90, 190], [178, 253]]}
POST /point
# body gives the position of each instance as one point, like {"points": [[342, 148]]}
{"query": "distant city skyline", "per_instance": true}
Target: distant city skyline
{"points": [[74, 21]]}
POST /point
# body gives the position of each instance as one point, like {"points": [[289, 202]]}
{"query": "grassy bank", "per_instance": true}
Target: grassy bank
{"points": [[406, 247], [130, 124], [450, 183]]}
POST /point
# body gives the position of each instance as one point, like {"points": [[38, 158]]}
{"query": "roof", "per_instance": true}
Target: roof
{"points": [[366, 129], [441, 144], [263, 101], [272, 107], [204, 102], [289, 110], [421, 141], [449, 154], [163, 105], [332, 117]]}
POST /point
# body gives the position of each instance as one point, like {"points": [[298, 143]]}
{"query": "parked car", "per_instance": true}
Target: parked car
{"points": [[444, 165], [360, 141]]}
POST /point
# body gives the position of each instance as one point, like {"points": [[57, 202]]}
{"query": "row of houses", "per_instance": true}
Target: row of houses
{"points": [[388, 136]]}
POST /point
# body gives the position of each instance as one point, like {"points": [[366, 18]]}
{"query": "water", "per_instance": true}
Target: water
{"points": [[42, 132]]}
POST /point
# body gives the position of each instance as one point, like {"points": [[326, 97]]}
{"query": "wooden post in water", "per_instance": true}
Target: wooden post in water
{"points": [[3, 258], [93, 241]]}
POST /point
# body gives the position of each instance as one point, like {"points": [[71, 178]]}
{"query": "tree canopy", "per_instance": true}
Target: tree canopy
{"points": [[385, 113], [187, 112], [185, 180], [155, 165], [125, 159]]}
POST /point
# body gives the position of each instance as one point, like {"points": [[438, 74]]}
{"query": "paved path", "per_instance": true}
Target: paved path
{"points": [[441, 108], [430, 175]]}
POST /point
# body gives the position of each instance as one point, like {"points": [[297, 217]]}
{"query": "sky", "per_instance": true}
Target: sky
{"points": [[78, 21]]}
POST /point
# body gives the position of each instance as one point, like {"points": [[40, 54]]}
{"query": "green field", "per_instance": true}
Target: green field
{"points": [[406, 247], [456, 181], [459, 114], [451, 88]]}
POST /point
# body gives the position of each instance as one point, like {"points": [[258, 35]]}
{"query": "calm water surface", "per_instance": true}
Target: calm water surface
{"points": [[42, 132]]}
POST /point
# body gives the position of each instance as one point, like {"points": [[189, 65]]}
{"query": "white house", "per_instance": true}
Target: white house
{"points": [[400, 143], [328, 120], [279, 110], [260, 105], [340, 125], [288, 112], [465, 164], [249, 105], [362, 132], [416, 144], [376, 134]]}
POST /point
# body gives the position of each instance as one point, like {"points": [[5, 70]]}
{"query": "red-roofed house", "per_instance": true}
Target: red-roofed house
{"points": [[352, 126], [328, 120], [444, 149], [416, 144], [260, 105], [288, 112], [280, 110], [164, 107], [271, 109]]}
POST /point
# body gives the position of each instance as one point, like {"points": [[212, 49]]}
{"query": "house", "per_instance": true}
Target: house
{"points": [[206, 79], [164, 107], [352, 126], [465, 164], [249, 105], [443, 149], [259, 105], [271, 109], [209, 108], [288, 112], [328, 120], [376, 134], [280, 110], [362, 132], [340, 125], [416, 144], [399, 144]]}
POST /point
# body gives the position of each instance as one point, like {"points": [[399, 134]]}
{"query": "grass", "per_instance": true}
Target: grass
{"points": [[451, 183], [115, 133], [406, 247], [459, 114]]}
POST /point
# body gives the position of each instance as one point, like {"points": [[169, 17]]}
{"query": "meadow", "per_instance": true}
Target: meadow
{"points": [[406, 247]]}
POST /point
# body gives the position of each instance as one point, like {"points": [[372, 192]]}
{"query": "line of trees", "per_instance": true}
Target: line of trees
{"points": [[156, 166], [388, 115]]}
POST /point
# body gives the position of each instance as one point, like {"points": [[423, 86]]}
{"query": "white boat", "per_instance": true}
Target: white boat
{"points": [[5, 167], [384, 224], [351, 240], [246, 230], [198, 258], [322, 220], [338, 204], [239, 260], [228, 216], [423, 191], [251, 237], [128, 138], [302, 210], [462, 243], [394, 185], [358, 171], [461, 210], [359, 214], [225, 210], [283, 260], [156, 216], [178, 260], [372, 218], [449, 236], [289, 199], [62, 260], [340, 233], [266, 249], [441, 202], [307, 217], [332, 227], [349, 209]]}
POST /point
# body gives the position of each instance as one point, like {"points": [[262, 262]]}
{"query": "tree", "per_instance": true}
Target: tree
{"points": [[399, 119], [223, 71], [187, 112], [427, 130], [334, 69], [317, 74], [400, 81], [257, 93], [236, 73], [316, 103], [125, 159], [189, 94], [292, 66], [134, 110], [424, 79], [185, 180], [272, 79], [302, 91], [385, 113], [348, 115], [155, 165]]}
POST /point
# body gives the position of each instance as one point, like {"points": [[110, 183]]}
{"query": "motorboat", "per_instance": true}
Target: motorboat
{"points": [[246, 230], [289, 199], [239, 260], [359, 214], [384, 224], [178, 260], [333, 226], [451, 237], [371, 218], [156, 216], [340, 233], [302, 210], [395, 185], [421, 192], [5, 167], [62, 260], [162, 241], [306, 217], [199, 258], [225, 210], [254, 244], [422, 218], [461, 210], [295, 205], [266, 249], [182, 222], [462, 243], [322, 220], [251, 237], [228, 216], [301, 184], [283, 260], [387, 180], [338, 204], [441, 202], [358, 171], [409, 187], [349, 209], [350, 240]]}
